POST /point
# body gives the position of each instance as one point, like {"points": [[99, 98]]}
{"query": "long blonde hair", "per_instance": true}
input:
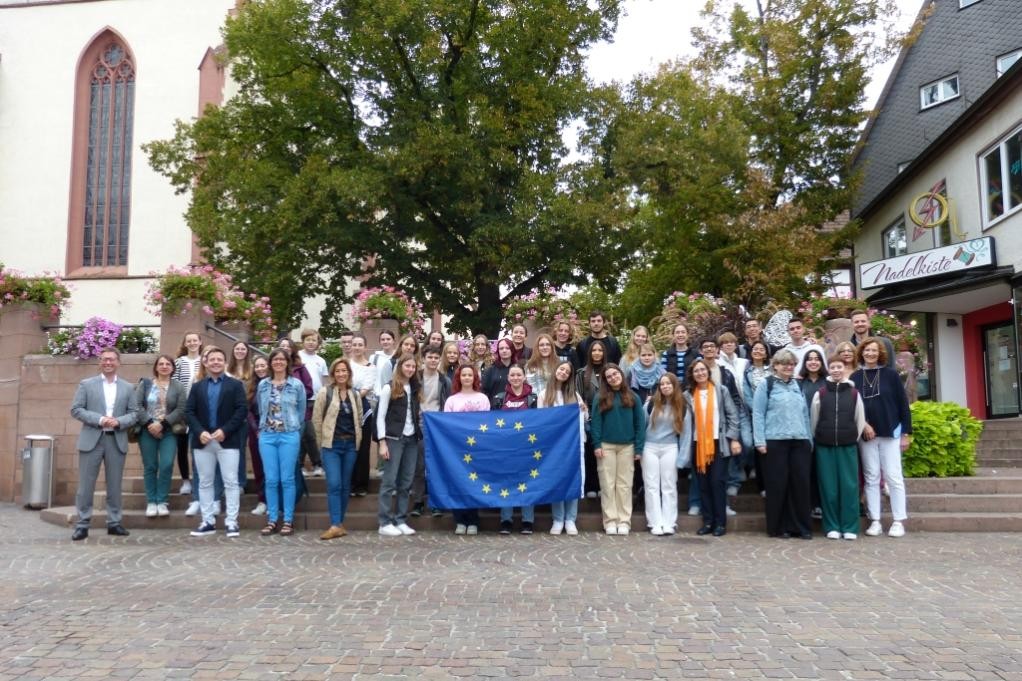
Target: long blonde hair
{"points": [[539, 365], [485, 359], [566, 389], [398, 382], [632, 350]]}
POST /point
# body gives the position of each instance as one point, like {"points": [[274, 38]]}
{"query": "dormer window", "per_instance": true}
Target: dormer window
{"points": [[938, 92]]}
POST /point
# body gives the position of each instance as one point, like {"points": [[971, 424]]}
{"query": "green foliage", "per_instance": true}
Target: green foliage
{"points": [[420, 138], [136, 340], [330, 351], [47, 290], [543, 308], [944, 437]]}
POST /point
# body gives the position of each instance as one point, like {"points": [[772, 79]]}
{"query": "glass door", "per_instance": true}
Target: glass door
{"points": [[1001, 370]]}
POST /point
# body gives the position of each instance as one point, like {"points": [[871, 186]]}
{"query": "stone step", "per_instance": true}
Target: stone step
{"points": [[1000, 425], [986, 481], [366, 522], [999, 464]]}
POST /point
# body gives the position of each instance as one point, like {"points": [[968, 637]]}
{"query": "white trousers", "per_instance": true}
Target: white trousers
{"points": [[883, 455], [660, 480], [206, 460]]}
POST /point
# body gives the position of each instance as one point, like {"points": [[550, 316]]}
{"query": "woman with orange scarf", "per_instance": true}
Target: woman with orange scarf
{"points": [[715, 436]]}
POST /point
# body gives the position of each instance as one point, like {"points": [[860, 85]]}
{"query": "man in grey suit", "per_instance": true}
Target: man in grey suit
{"points": [[101, 403]]}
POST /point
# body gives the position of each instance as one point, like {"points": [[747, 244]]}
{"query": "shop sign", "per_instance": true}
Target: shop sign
{"points": [[930, 263]]}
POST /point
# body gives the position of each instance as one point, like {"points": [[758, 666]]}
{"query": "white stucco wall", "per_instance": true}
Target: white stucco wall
{"points": [[39, 52], [949, 348], [959, 165]]}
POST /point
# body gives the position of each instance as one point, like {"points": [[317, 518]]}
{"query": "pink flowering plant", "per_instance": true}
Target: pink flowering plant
{"points": [[542, 308], [387, 302], [818, 310], [47, 290], [179, 289], [705, 314]]}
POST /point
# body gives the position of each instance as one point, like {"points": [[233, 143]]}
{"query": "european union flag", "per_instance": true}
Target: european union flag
{"points": [[503, 458]]}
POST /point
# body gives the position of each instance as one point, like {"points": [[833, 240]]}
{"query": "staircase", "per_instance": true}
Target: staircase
{"points": [[1000, 444], [989, 502]]}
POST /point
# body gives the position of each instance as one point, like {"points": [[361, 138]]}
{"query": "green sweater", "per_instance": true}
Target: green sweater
{"points": [[620, 425]]}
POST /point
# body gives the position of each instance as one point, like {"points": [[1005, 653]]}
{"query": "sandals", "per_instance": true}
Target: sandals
{"points": [[268, 530], [286, 530]]}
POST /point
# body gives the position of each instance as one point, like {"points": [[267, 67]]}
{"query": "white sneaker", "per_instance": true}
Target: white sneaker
{"points": [[186, 487], [732, 491], [390, 531], [162, 510], [693, 510], [404, 529], [472, 529], [591, 495], [729, 511], [611, 528], [656, 531], [833, 534], [897, 530], [557, 527], [193, 508], [569, 527], [622, 529], [318, 472], [875, 529], [150, 510], [459, 529], [306, 472], [260, 509], [850, 536]]}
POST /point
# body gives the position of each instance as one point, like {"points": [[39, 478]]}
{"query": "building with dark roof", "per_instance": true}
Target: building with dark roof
{"points": [[941, 201]]}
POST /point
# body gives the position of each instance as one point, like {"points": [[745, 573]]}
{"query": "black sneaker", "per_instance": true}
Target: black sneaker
{"points": [[437, 512], [204, 530], [505, 527], [233, 531], [526, 527], [417, 510], [817, 513]]}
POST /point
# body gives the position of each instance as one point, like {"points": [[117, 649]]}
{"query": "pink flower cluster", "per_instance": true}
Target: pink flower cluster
{"points": [[388, 302], [543, 307]]}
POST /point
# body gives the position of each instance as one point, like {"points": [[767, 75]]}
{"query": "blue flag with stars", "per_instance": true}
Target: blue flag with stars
{"points": [[488, 459]]}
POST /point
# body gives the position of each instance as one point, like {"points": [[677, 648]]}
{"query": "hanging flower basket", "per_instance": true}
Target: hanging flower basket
{"points": [[387, 302]]}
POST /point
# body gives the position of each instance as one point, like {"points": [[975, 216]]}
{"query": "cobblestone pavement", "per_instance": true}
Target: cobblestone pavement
{"points": [[160, 604]]}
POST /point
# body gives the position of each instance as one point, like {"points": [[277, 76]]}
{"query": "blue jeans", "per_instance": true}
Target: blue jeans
{"points": [[338, 463], [564, 511], [280, 461], [528, 513], [398, 472]]}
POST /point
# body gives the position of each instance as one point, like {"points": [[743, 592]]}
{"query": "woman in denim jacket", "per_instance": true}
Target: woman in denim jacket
{"points": [[281, 400], [782, 435]]}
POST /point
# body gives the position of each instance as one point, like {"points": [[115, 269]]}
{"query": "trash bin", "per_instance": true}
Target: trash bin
{"points": [[37, 471]]}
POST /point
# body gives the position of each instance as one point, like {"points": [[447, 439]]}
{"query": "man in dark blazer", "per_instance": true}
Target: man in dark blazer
{"points": [[102, 404], [215, 412]]}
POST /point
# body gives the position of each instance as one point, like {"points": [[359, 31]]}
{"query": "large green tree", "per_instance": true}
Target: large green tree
{"points": [[421, 136], [738, 156]]}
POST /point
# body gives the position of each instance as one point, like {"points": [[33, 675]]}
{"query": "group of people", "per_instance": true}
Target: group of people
{"points": [[792, 419]]}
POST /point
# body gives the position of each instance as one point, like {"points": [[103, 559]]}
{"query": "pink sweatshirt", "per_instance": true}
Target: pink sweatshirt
{"points": [[467, 402]]}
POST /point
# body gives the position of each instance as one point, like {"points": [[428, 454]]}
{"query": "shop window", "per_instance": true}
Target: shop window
{"points": [[895, 239], [938, 92], [1001, 175]]}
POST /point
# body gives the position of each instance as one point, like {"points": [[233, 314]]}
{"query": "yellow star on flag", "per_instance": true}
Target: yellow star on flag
{"points": [[471, 440], [504, 493], [472, 476], [483, 427], [486, 489], [518, 425], [537, 455], [532, 437], [500, 423], [521, 487], [534, 473], [467, 458]]}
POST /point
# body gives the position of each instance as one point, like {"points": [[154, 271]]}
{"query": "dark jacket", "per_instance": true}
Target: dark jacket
{"points": [[397, 409], [531, 400], [669, 361], [609, 342], [232, 411], [175, 403], [884, 398], [495, 380], [835, 414], [567, 354]]}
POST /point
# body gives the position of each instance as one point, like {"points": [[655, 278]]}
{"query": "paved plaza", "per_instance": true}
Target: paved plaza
{"points": [[161, 604]]}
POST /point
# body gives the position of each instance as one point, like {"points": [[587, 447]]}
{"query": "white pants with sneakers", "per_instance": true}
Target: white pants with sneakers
{"points": [[206, 460], [883, 455], [660, 481]]}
